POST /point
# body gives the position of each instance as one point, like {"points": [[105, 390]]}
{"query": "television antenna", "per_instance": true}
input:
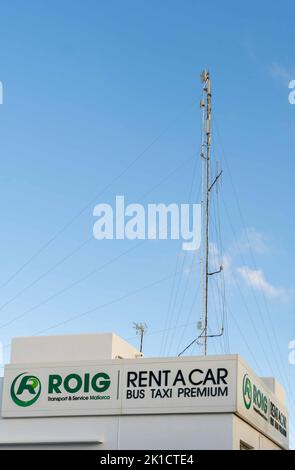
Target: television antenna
{"points": [[140, 329]]}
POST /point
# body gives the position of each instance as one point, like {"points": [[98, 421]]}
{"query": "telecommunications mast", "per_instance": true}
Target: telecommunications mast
{"points": [[207, 186]]}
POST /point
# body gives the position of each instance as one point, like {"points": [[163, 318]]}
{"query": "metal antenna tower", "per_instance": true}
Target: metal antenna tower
{"points": [[206, 188]]}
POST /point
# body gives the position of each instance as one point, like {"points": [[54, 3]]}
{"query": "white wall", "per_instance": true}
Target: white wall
{"points": [[197, 432], [202, 431], [67, 348], [127, 432], [244, 432]]}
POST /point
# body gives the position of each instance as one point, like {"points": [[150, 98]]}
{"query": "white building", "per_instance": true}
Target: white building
{"points": [[97, 392]]}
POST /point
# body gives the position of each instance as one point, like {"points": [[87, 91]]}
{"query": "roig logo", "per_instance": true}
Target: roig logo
{"points": [[25, 389], [247, 391], [254, 397]]}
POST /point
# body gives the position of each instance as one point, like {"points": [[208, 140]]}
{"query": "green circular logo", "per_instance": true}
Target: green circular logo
{"points": [[25, 389], [247, 391]]}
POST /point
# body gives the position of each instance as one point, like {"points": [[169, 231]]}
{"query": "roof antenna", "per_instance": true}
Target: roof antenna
{"points": [[207, 185], [140, 329]]}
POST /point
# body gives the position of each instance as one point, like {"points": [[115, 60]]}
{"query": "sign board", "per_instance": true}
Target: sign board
{"points": [[120, 387], [259, 406], [212, 384]]}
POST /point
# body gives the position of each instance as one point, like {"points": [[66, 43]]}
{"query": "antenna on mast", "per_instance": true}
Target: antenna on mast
{"points": [[140, 329], [207, 186]]}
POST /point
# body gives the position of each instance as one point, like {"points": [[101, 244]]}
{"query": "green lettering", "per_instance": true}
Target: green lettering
{"points": [[54, 382], [99, 385], [73, 388], [28, 383]]}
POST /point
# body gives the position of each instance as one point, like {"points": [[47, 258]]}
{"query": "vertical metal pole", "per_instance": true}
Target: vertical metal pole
{"points": [[140, 329], [141, 339], [208, 147], [202, 248]]}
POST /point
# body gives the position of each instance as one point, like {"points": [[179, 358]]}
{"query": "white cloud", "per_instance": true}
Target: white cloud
{"points": [[257, 241], [224, 260], [227, 267], [253, 240], [214, 251], [282, 73], [256, 279]]}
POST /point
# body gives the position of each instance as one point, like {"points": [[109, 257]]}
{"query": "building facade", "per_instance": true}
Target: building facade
{"points": [[98, 392]]}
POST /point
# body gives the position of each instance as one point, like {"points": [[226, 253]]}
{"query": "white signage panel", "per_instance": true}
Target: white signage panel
{"points": [[193, 386], [61, 390], [190, 385], [258, 405]]}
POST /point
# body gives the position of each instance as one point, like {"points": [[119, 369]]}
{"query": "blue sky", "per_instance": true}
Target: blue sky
{"points": [[91, 86]]}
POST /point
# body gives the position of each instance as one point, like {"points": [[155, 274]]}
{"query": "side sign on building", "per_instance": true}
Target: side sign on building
{"points": [[257, 405]]}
